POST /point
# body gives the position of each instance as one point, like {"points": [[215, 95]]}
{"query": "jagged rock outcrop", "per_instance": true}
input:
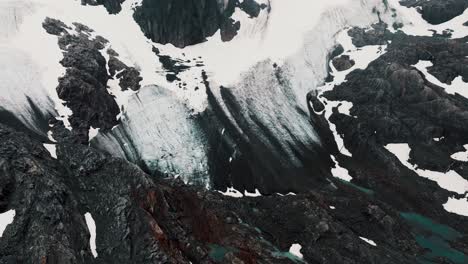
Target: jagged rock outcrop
{"points": [[188, 22], [141, 219], [343, 63], [84, 85], [112, 6], [393, 102], [437, 11]]}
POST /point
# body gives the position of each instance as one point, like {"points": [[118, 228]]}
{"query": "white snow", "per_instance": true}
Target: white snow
{"points": [[457, 206], [232, 192], [295, 249], [368, 241], [6, 218], [462, 155], [92, 230], [52, 149], [457, 86], [449, 180], [332, 207], [296, 35], [92, 133], [255, 194], [362, 57], [289, 193], [340, 172], [415, 25]]}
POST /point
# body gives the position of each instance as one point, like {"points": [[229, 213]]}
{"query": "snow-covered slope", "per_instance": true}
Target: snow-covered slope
{"points": [[268, 69]]}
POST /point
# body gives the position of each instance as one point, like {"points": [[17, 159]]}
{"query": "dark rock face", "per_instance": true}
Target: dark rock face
{"points": [[84, 85], [251, 7], [141, 219], [437, 11], [48, 227], [182, 22], [129, 77], [112, 6], [394, 103], [188, 22], [343, 63]]}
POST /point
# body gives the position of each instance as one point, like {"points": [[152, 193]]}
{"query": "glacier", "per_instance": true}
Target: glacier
{"points": [[267, 70]]}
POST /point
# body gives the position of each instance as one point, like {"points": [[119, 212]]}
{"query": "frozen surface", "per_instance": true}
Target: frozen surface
{"points": [[232, 193], [161, 131], [457, 206], [462, 155], [295, 249], [6, 218], [92, 230], [368, 241], [52, 150], [340, 172]]}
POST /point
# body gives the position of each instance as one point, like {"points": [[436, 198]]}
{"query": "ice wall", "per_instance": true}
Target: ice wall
{"points": [[162, 133]]}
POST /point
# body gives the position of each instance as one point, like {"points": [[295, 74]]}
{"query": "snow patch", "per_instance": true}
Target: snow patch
{"points": [[232, 193], [368, 241], [6, 218], [92, 230], [457, 206], [458, 86], [255, 194], [52, 149], [462, 155], [92, 133], [340, 172], [295, 249], [449, 180]]}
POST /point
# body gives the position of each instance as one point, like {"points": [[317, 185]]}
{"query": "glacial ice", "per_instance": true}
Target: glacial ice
{"points": [[296, 36]]}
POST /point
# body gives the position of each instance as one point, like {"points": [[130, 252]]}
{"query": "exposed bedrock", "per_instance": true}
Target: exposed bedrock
{"points": [[112, 6], [83, 88], [188, 22], [48, 226], [437, 11], [143, 219], [394, 103]]}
